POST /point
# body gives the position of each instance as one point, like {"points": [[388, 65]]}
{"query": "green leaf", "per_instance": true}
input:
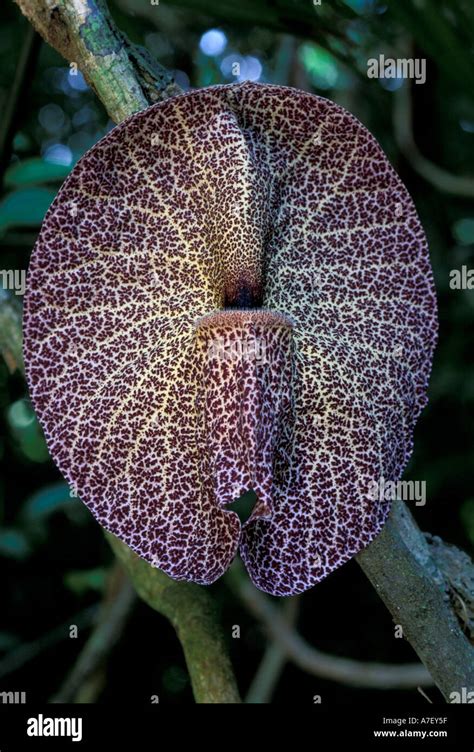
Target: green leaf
{"points": [[14, 544], [463, 231], [50, 499], [33, 171], [22, 142], [25, 207], [80, 581], [321, 66], [26, 431]]}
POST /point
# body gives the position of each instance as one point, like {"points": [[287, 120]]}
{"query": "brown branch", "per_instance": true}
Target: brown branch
{"points": [[125, 78], [191, 610], [417, 589]]}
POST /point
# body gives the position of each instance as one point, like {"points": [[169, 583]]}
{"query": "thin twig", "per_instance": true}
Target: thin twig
{"points": [[28, 651], [441, 179], [273, 662], [423, 694], [115, 610], [313, 661], [17, 95]]}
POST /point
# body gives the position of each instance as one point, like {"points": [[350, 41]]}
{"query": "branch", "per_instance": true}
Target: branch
{"points": [[125, 77], [313, 661], [418, 587], [191, 611]]}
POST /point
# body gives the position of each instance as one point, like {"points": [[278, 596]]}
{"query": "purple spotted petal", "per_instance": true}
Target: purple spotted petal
{"points": [[232, 290]]}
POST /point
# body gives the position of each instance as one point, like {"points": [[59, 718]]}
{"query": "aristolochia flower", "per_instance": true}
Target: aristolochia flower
{"points": [[232, 291]]}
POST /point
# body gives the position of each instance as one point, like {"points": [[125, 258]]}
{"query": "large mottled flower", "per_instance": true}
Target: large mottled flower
{"points": [[232, 291]]}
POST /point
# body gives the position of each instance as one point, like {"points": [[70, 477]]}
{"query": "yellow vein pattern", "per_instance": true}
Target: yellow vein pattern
{"points": [[232, 290]]}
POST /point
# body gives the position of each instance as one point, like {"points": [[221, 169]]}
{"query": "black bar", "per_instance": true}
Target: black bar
{"points": [[446, 727]]}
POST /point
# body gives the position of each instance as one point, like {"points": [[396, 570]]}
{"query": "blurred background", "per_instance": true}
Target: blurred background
{"points": [[55, 563]]}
